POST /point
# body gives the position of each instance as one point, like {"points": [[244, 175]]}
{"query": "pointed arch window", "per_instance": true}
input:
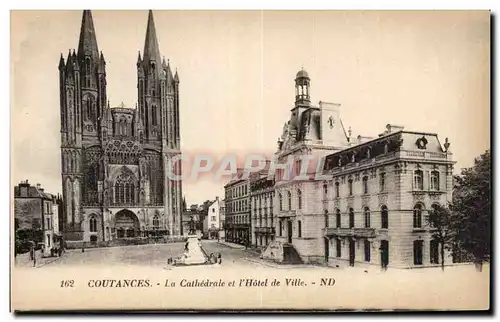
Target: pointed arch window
{"points": [[88, 73], [93, 224], [154, 115], [88, 108], [156, 222], [125, 190]]}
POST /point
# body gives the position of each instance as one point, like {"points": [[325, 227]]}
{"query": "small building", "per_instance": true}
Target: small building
{"points": [[34, 220], [213, 219]]}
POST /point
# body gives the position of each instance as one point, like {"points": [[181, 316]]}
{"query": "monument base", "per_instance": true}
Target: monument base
{"points": [[193, 253]]}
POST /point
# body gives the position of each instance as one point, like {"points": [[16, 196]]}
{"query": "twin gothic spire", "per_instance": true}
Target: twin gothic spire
{"points": [[87, 44], [151, 48]]}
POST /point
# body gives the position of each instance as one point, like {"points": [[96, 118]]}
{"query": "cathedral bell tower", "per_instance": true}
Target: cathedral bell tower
{"points": [[158, 106], [157, 93], [82, 79]]}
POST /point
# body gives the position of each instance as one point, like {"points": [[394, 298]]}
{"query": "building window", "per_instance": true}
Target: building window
{"points": [[281, 228], [367, 217], [434, 251], [434, 180], [124, 190], [289, 200], [156, 222], [365, 185], [417, 252], [384, 218], [299, 227], [350, 186], [325, 190], [351, 218], [281, 202], [382, 182], [337, 189], [213, 209], [326, 218], [367, 251], [299, 199], [433, 206], [418, 180], [417, 216], [213, 218], [93, 224], [338, 244]]}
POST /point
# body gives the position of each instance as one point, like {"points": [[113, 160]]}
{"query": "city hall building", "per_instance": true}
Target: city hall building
{"points": [[370, 207], [380, 196], [114, 159]]}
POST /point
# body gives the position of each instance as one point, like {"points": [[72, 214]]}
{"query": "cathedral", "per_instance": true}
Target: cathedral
{"points": [[114, 159]]}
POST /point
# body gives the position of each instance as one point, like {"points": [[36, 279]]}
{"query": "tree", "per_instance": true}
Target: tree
{"points": [[472, 203], [443, 223]]}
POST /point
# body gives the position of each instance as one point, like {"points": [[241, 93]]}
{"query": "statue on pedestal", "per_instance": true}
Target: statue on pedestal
{"points": [[192, 227]]}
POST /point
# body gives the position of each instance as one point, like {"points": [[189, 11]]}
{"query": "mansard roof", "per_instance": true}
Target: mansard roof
{"points": [[386, 143]]}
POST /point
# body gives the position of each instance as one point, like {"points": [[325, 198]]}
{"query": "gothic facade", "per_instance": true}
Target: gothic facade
{"points": [[115, 159]]}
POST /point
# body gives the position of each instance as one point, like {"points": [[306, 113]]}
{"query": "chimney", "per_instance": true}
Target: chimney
{"points": [[217, 198], [38, 186]]}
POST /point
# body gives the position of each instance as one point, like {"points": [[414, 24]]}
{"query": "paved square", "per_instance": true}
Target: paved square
{"points": [[154, 255]]}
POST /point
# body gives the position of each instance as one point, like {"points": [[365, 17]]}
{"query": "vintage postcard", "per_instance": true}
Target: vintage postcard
{"points": [[250, 160]]}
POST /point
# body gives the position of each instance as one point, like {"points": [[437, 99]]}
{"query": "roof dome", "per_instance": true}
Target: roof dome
{"points": [[302, 74]]}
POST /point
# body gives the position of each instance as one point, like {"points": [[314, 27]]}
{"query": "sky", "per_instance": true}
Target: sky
{"points": [[428, 71]]}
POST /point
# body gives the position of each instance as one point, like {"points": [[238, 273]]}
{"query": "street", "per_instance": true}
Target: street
{"points": [[155, 255]]}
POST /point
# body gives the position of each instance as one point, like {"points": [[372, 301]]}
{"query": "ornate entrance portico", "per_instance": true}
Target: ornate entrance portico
{"points": [[126, 224]]}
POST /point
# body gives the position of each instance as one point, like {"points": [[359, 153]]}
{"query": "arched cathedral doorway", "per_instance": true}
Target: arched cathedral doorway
{"points": [[126, 224]]}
